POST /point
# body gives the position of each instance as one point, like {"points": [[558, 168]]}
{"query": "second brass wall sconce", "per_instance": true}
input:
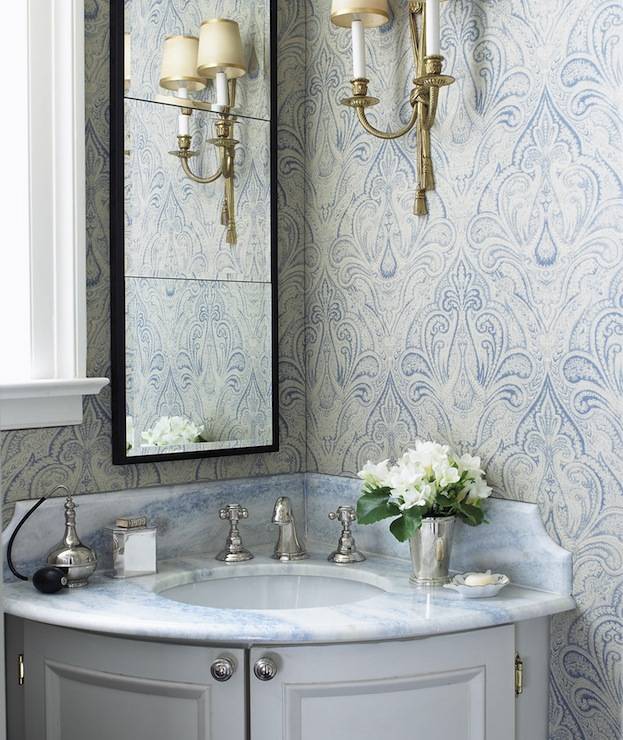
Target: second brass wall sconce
{"points": [[187, 64], [428, 63]]}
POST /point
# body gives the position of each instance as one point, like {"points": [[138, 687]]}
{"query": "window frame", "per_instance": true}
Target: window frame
{"points": [[52, 396]]}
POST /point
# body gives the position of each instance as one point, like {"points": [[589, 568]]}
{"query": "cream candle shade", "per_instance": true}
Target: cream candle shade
{"points": [[371, 13], [220, 49], [179, 64]]}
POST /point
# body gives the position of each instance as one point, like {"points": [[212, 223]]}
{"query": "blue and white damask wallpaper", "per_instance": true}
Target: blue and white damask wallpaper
{"points": [[200, 349], [496, 323]]}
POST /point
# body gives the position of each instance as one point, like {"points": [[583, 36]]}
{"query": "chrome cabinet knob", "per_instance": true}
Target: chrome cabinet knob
{"points": [[223, 668], [265, 669]]}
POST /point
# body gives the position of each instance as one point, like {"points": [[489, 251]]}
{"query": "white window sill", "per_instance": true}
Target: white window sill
{"points": [[45, 403]]}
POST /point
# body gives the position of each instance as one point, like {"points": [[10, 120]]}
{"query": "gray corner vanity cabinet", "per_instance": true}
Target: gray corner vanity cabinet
{"points": [[453, 687], [357, 654], [270, 650]]}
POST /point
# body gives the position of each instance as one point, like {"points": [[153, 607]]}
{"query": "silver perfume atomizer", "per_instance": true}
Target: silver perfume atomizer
{"points": [[70, 555]]}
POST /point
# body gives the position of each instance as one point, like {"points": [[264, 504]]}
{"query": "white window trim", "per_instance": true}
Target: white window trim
{"points": [[57, 224]]}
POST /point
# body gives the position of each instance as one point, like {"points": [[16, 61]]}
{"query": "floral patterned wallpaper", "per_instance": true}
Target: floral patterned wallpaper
{"points": [[33, 461], [496, 323]]}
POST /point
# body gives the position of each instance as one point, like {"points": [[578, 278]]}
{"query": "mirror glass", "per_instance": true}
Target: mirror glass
{"points": [[192, 234]]}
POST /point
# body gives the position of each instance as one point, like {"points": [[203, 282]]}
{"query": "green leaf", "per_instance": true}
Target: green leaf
{"points": [[406, 525], [372, 507], [470, 514]]}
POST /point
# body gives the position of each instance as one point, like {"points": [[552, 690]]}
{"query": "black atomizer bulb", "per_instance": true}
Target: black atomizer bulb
{"points": [[49, 580]]}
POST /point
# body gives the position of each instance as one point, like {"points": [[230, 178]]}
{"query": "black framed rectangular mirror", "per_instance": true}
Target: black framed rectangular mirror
{"points": [[193, 228]]}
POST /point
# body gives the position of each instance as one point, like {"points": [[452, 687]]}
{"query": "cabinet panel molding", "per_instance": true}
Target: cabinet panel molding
{"points": [[87, 685], [364, 709], [451, 687], [71, 693]]}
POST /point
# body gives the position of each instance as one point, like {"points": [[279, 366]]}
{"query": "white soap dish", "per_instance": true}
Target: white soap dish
{"points": [[478, 591]]}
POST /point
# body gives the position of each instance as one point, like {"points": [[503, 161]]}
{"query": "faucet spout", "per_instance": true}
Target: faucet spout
{"points": [[282, 513], [289, 546]]}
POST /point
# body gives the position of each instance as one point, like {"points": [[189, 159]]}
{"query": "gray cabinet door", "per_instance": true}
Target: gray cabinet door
{"points": [[80, 685], [452, 687]]}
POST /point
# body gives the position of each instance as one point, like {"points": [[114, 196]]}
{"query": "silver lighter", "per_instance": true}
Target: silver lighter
{"points": [[133, 548]]}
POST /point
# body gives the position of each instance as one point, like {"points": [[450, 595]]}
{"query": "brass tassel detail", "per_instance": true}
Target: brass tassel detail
{"points": [[420, 208]]}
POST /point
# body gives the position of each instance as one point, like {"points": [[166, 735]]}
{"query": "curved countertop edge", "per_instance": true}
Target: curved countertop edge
{"points": [[133, 608]]}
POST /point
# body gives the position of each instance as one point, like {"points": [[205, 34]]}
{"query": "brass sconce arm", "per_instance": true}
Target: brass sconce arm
{"points": [[201, 180], [184, 153], [361, 100], [424, 100], [226, 146]]}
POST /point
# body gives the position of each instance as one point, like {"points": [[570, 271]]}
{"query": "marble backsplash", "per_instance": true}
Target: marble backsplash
{"points": [[514, 542], [186, 516]]}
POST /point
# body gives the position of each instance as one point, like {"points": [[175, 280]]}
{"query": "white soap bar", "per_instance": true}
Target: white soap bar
{"points": [[480, 579]]}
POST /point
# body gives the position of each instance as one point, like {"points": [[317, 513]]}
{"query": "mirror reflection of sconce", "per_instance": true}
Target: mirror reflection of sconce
{"points": [[187, 63]]}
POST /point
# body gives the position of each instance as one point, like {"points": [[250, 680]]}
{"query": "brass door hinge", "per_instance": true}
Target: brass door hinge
{"points": [[518, 675], [21, 671]]}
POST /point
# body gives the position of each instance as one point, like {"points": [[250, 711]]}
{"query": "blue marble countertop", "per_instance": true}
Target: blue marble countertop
{"points": [[134, 607]]}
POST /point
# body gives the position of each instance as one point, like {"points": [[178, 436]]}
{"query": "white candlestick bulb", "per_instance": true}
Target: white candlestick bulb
{"points": [[432, 27], [222, 89], [359, 51], [183, 121], [183, 125]]}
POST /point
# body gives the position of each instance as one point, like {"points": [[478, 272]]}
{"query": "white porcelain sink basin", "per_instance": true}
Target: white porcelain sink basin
{"points": [[274, 591]]}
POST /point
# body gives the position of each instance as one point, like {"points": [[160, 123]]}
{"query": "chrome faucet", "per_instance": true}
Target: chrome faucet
{"points": [[346, 551], [234, 551], [288, 546]]}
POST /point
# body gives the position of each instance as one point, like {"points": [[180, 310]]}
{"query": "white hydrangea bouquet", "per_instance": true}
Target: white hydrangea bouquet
{"points": [[172, 430], [427, 481]]}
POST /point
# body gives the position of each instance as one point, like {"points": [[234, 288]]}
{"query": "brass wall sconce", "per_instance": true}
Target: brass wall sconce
{"points": [[428, 63], [187, 64]]}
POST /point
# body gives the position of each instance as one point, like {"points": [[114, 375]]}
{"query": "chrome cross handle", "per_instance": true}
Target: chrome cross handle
{"points": [[234, 551], [344, 514], [346, 551], [233, 512]]}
